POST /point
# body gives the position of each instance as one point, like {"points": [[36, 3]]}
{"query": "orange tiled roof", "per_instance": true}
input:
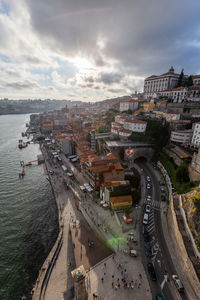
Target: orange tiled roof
{"points": [[125, 198]]}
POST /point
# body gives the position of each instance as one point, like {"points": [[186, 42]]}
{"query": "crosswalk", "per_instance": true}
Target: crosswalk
{"points": [[153, 203]]}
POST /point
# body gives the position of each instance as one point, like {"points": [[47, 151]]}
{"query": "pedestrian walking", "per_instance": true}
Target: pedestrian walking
{"points": [[118, 285], [102, 279], [105, 265], [112, 284]]}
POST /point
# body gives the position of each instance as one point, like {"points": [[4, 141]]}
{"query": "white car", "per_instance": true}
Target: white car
{"points": [[178, 283], [148, 178], [148, 186], [145, 219], [148, 208]]}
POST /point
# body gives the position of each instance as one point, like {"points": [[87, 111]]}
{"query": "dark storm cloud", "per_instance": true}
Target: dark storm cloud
{"points": [[109, 78], [22, 85], [143, 36]]}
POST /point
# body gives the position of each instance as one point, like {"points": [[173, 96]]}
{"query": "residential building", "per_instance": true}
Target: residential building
{"points": [[195, 163], [124, 133], [101, 169], [117, 194], [135, 125], [128, 104], [180, 94], [181, 136], [157, 83], [196, 135], [148, 106], [196, 79]]}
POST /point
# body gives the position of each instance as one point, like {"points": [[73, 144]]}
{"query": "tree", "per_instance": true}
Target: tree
{"points": [[182, 173], [189, 81], [181, 78]]}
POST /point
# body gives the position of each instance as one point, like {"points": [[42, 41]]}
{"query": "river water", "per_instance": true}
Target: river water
{"points": [[28, 213]]}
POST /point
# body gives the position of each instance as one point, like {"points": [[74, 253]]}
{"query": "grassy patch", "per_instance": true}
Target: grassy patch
{"points": [[180, 187]]}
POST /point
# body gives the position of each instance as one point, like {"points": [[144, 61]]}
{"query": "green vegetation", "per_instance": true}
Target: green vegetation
{"points": [[127, 211], [180, 181], [195, 200], [40, 138], [135, 184], [156, 133]]}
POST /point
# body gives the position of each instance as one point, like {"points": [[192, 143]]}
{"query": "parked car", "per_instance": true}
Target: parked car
{"points": [[148, 186], [148, 250], [146, 236], [151, 271], [149, 197], [163, 198], [161, 183], [148, 208], [159, 297], [70, 175], [178, 283], [162, 189]]}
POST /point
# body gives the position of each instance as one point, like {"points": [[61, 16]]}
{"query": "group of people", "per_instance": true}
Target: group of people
{"points": [[118, 283]]}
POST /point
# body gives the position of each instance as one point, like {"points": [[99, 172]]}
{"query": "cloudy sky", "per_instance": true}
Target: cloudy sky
{"points": [[93, 49]]}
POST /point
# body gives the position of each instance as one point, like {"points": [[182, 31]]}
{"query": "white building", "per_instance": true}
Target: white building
{"points": [[155, 84], [128, 104], [181, 136], [196, 135], [124, 133], [178, 94], [135, 125], [120, 119], [196, 79]]}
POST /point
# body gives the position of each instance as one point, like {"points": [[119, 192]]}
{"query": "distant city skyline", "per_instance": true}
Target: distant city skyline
{"points": [[91, 50]]}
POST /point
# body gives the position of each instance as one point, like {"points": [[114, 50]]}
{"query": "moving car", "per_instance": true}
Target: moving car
{"points": [[148, 250], [148, 186], [148, 178], [146, 236], [70, 175], [178, 283], [148, 208], [151, 271], [145, 219]]}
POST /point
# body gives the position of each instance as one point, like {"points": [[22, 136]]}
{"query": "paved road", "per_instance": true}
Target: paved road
{"points": [[160, 255]]}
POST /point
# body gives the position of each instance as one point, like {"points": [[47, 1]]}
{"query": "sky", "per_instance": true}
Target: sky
{"points": [[91, 50]]}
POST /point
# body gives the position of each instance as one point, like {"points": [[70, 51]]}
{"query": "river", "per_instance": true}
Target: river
{"points": [[28, 213]]}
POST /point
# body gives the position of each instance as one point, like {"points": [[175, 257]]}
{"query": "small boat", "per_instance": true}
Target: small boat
{"points": [[22, 144]]}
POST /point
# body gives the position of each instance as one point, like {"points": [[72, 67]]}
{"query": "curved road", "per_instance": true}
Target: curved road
{"points": [[161, 257]]}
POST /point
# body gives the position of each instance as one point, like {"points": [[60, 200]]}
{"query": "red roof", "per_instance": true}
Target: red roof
{"points": [[195, 76]]}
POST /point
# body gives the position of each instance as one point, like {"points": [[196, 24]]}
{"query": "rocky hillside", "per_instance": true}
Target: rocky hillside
{"points": [[191, 205]]}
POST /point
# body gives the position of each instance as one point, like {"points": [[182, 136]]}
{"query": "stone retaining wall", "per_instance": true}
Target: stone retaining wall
{"points": [[179, 249]]}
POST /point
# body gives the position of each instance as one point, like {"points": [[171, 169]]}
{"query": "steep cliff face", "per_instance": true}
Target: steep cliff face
{"points": [[191, 205]]}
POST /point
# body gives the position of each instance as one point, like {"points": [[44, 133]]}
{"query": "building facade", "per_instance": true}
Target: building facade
{"points": [[196, 135], [181, 136], [129, 104], [155, 84]]}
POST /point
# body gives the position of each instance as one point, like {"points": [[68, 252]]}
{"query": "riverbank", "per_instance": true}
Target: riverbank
{"points": [[54, 280]]}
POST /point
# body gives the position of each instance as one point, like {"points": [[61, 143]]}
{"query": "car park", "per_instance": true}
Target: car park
{"points": [[151, 271], [146, 236], [178, 283], [148, 208], [145, 219], [148, 250]]}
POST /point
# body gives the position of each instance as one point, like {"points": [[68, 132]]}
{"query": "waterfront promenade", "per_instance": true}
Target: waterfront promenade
{"points": [[75, 249]]}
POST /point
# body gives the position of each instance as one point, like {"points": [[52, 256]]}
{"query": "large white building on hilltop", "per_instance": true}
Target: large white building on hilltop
{"points": [[157, 83]]}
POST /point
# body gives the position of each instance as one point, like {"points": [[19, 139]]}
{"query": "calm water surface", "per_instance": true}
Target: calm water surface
{"points": [[28, 214]]}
